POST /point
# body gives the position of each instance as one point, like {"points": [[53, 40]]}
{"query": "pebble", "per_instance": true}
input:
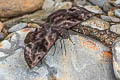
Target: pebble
{"points": [[2, 54], [95, 22], [17, 27], [115, 2], [1, 35], [115, 19], [81, 2], [5, 44], [106, 18], [110, 19], [57, 1], [48, 4], [115, 28], [98, 2], [117, 12], [94, 9], [106, 6], [63, 5], [116, 58]]}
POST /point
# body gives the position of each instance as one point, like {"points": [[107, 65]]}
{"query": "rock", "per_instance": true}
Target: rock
{"points": [[117, 12], [94, 9], [115, 2], [1, 26], [106, 18], [2, 55], [11, 8], [110, 19], [1, 35], [5, 44], [17, 27], [115, 28], [106, 6], [114, 19], [57, 1], [81, 2], [63, 5], [116, 58], [48, 4], [95, 22], [98, 2], [85, 59]]}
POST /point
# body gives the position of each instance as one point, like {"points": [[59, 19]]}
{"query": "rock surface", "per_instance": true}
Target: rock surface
{"points": [[17, 27], [94, 9], [10, 8], [116, 58], [48, 4], [115, 28], [85, 59], [97, 23], [99, 2]]}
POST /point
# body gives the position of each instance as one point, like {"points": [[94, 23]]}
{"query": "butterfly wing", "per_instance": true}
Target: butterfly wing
{"points": [[37, 44], [69, 18]]}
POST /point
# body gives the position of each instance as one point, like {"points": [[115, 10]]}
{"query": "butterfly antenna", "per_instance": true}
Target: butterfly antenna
{"points": [[71, 40]]}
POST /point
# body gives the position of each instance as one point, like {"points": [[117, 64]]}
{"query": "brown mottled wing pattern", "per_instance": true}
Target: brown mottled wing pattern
{"points": [[37, 44], [69, 18]]}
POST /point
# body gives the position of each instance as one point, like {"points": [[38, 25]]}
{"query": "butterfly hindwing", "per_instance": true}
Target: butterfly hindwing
{"points": [[37, 48]]}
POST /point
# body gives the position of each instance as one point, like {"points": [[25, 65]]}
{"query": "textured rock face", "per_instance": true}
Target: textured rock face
{"points": [[10, 8], [85, 59], [116, 58]]}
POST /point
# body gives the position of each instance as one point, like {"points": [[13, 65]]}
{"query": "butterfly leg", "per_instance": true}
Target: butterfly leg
{"points": [[61, 43], [64, 47], [54, 49]]}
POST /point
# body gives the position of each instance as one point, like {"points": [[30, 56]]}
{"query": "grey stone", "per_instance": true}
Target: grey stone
{"points": [[81, 2], [106, 18], [115, 28], [5, 44], [63, 5], [106, 6], [94, 9], [116, 3], [115, 19], [85, 59], [95, 22], [116, 58], [117, 12], [17, 27], [2, 54], [48, 4], [57, 1], [110, 18], [100, 3], [1, 35]]}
